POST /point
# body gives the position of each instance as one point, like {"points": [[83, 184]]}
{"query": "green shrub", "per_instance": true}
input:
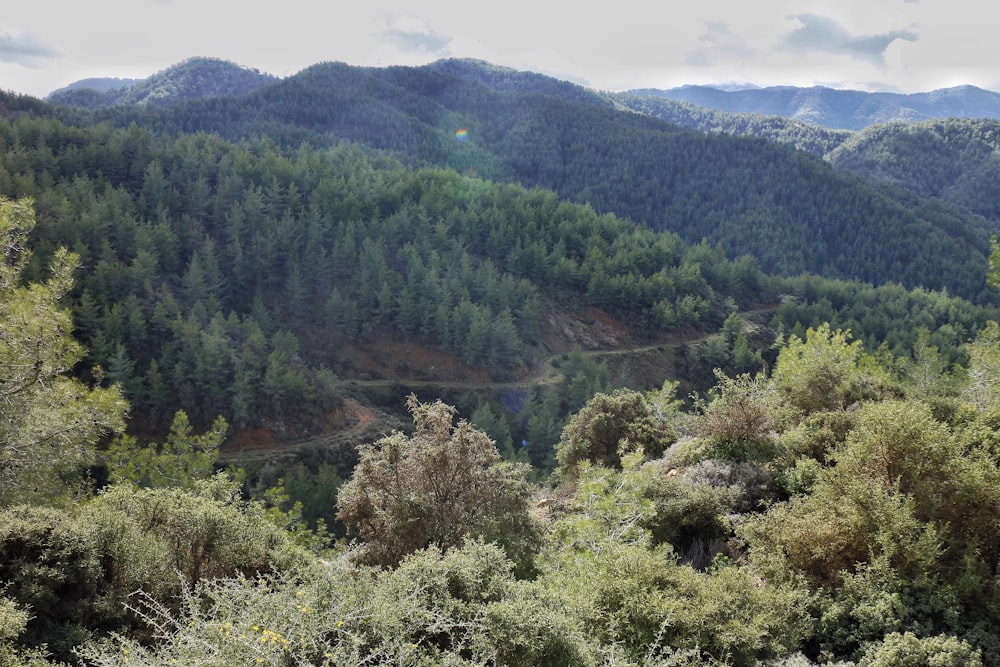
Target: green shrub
{"points": [[157, 539], [443, 484], [740, 418], [689, 516], [611, 425], [908, 650], [52, 570]]}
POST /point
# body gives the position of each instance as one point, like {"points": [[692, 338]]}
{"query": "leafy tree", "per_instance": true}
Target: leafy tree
{"points": [[441, 485], [927, 372], [49, 421]]}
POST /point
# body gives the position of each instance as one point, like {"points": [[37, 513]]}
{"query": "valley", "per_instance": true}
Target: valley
{"points": [[463, 365]]}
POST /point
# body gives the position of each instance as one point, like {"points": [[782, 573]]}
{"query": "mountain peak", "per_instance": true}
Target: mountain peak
{"points": [[194, 78]]}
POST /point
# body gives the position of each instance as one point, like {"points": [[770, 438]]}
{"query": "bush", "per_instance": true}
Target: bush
{"points": [[610, 425], [436, 488], [649, 607], [815, 375], [748, 486], [460, 607], [159, 539], [51, 569], [740, 419], [908, 650], [690, 516]]}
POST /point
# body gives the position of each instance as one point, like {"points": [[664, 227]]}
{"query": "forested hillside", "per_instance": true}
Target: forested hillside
{"points": [[841, 508], [805, 136], [953, 160], [193, 79], [309, 377], [786, 208], [948, 160]]}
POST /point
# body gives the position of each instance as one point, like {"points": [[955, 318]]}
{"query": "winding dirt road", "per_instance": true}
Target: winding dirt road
{"points": [[365, 419]]}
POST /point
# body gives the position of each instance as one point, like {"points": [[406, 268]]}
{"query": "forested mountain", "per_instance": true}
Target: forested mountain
{"points": [[237, 279], [193, 79], [805, 136], [952, 161], [786, 208], [96, 83], [232, 279], [659, 454], [956, 161], [840, 109]]}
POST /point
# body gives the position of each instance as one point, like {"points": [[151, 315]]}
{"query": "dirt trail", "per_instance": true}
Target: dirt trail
{"points": [[365, 420]]}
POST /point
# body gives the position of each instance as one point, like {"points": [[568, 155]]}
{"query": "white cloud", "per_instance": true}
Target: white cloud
{"points": [[629, 43], [821, 34], [25, 49], [409, 33], [719, 44]]}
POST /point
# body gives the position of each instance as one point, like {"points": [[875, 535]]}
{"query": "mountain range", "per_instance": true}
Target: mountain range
{"points": [[282, 251], [779, 201], [839, 109], [199, 78]]}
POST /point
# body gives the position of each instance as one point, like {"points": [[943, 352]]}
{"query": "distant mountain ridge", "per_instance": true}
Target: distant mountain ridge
{"points": [[809, 137], [839, 109], [192, 79], [96, 83]]}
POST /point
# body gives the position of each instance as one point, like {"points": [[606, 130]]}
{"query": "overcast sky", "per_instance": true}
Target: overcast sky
{"points": [[896, 45]]}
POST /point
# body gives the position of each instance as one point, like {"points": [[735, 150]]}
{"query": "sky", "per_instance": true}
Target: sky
{"points": [[887, 45]]}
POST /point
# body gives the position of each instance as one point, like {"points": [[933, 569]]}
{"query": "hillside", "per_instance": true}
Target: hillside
{"points": [[450, 366], [192, 79], [955, 161], [839, 109], [786, 208], [99, 84], [805, 136], [250, 281], [761, 526]]}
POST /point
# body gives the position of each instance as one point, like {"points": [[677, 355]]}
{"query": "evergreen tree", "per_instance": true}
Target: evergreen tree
{"points": [[49, 421]]}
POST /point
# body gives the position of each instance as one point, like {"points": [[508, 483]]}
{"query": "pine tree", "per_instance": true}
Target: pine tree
{"points": [[49, 421]]}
